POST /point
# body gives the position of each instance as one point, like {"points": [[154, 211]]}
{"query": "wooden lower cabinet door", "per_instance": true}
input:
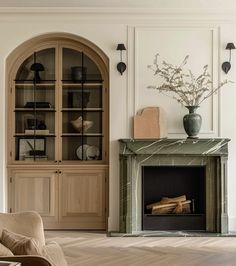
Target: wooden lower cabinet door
{"points": [[34, 190], [82, 199]]}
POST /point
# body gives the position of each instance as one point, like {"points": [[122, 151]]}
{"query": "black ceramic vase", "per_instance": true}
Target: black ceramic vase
{"points": [[192, 122]]}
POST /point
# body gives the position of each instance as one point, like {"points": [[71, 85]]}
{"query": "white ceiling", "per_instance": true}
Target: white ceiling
{"points": [[121, 3]]}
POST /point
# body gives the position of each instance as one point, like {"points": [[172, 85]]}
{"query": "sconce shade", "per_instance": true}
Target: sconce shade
{"points": [[230, 46], [226, 67], [120, 47], [121, 67]]}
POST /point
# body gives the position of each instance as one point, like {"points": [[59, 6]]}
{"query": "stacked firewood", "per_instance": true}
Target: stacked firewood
{"points": [[177, 205]]}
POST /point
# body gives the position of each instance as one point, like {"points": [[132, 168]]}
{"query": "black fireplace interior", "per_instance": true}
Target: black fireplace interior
{"points": [[174, 181]]}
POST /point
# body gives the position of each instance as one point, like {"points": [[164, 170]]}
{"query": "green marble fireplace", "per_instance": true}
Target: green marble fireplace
{"points": [[208, 155]]}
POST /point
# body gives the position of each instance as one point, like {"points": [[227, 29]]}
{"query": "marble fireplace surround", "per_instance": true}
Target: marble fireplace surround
{"points": [[135, 153]]}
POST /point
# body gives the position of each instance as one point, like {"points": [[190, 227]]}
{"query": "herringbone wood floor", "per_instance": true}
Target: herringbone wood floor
{"points": [[95, 249]]}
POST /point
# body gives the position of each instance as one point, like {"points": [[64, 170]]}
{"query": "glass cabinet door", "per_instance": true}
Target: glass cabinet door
{"points": [[34, 107], [82, 107]]}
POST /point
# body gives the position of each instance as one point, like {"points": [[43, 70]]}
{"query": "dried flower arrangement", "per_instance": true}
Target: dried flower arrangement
{"points": [[182, 85]]}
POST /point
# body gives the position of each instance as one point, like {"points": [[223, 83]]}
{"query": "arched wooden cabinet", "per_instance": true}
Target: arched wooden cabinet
{"points": [[58, 131]]}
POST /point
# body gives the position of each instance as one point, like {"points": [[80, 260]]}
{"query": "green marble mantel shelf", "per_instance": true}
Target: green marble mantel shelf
{"points": [[203, 147]]}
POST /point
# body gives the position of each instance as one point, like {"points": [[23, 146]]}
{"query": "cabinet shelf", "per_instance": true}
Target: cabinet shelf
{"points": [[67, 86], [17, 81], [24, 86], [80, 135], [82, 109], [85, 81], [33, 135], [35, 109]]}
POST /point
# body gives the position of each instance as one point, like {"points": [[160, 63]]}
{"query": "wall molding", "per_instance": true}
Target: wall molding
{"points": [[223, 14], [214, 129], [121, 10]]}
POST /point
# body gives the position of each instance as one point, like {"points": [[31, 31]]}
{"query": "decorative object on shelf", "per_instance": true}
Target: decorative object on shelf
{"points": [[192, 122], [37, 132], [36, 158], [226, 65], [87, 152], [37, 105], [184, 87], [32, 123], [26, 124], [31, 147], [37, 67], [150, 123], [78, 73], [79, 126], [41, 125], [78, 99], [121, 66], [81, 152], [92, 153]]}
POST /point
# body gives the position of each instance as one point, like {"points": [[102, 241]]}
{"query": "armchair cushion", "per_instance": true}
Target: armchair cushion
{"points": [[19, 244], [4, 251]]}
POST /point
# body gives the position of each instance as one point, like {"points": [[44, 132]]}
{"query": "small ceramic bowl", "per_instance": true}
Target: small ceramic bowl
{"points": [[77, 124]]}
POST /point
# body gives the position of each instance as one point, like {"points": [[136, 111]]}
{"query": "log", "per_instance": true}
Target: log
{"points": [[175, 208], [170, 204], [176, 205], [176, 199], [166, 200]]}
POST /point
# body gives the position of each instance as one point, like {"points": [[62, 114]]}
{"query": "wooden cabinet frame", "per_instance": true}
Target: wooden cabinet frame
{"points": [[18, 169]]}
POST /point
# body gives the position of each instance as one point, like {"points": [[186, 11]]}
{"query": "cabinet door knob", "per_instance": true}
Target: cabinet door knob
{"points": [[56, 172], [59, 172], [55, 161], [59, 161]]}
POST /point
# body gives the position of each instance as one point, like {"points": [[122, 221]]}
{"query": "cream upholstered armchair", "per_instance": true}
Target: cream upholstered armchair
{"points": [[30, 225]]}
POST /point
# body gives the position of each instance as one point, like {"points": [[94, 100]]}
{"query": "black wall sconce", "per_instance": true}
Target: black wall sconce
{"points": [[121, 67], [226, 65]]}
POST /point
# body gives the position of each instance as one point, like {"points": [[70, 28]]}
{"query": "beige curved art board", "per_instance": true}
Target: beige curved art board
{"points": [[150, 123]]}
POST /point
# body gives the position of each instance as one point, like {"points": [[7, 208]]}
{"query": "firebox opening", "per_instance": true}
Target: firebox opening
{"points": [[173, 198]]}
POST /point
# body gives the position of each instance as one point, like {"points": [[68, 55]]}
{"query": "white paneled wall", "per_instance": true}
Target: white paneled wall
{"points": [[173, 35], [173, 44]]}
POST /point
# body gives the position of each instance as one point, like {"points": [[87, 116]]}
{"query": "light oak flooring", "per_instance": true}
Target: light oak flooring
{"points": [[93, 249]]}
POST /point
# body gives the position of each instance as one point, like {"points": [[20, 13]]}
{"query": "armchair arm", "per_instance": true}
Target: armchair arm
{"points": [[28, 260]]}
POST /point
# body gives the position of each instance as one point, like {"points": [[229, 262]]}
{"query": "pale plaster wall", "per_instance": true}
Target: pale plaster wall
{"points": [[204, 39]]}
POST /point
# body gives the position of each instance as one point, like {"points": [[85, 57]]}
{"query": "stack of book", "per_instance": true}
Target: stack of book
{"points": [[35, 158], [37, 131]]}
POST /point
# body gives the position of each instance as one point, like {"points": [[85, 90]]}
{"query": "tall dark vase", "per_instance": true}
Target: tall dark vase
{"points": [[192, 122]]}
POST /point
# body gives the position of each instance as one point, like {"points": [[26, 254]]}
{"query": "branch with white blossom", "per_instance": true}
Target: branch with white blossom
{"points": [[182, 84]]}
